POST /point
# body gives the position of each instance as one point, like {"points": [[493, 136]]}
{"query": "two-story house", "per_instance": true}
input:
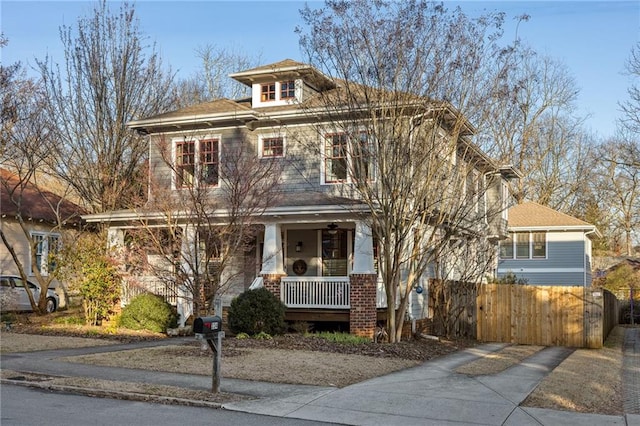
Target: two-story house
{"points": [[314, 245]]}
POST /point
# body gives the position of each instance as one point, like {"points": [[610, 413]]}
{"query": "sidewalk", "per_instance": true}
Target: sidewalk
{"points": [[429, 394]]}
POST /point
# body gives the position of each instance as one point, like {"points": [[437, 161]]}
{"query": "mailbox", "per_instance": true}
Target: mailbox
{"points": [[207, 325]]}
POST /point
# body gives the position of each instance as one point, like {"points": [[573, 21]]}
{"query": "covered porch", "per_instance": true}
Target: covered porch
{"points": [[322, 271]]}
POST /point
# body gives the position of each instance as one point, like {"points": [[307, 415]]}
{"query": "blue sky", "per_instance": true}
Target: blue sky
{"points": [[593, 38]]}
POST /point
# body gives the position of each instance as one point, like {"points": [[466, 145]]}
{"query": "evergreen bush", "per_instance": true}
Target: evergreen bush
{"points": [[148, 312], [257, 311]]}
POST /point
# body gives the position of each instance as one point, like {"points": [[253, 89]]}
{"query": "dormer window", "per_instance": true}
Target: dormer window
{"points": [[287, 89], [268, 92], [276, 93]]}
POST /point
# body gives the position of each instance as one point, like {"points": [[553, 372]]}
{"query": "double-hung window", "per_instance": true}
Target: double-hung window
{"points": [[197, 162], [209, 161], [46, 246], [335, 158], [344, 153], [185, 163], [524, 245]]}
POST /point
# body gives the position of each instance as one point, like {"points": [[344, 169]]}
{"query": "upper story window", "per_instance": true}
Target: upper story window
{"points": [[197, 162], [276, 93], [335, 158], [268, 92], [47, 245], [271, 146], [185, 163], [344, 153], [525, 245], [287, 89]]}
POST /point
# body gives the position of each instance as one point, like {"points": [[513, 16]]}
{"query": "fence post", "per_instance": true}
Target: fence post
{"points": [[593, 318]]}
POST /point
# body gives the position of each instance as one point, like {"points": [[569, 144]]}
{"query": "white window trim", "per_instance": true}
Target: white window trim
{"points": [[196, 139], [278, 101], [264, 136], [323, 157], [44, 255], [514, 240]]}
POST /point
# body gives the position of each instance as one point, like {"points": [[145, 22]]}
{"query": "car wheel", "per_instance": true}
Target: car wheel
{"points": [[51, 305]]}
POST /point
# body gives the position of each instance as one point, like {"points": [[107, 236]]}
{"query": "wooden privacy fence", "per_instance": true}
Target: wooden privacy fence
{"points": [[545, 315]]}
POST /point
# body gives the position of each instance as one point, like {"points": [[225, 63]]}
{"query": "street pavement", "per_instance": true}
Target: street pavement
{"points": [[428, 394]]}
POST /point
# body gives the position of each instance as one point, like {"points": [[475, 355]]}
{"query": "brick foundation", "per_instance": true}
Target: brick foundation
{"points": [[272, 283], [363, 315]]}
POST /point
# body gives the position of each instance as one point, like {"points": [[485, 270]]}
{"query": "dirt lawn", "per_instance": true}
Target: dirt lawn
{"points": [[575, 385]]}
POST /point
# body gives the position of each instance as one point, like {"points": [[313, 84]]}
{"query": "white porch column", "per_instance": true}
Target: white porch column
{"points": [[363, 250], [272, 255], [188, 251]]}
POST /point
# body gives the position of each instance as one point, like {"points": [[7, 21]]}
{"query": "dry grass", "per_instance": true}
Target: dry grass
{"points": [[123, 387], [589, 381], [269, 365], [14, 342]]}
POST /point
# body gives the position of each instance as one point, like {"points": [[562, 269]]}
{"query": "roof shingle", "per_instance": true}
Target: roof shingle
{"points": [[532, 214]]}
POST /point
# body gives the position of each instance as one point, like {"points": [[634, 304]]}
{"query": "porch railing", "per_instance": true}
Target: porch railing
{"points": [[315, 292]]}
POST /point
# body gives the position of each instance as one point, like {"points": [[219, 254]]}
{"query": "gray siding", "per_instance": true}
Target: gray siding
{"points": [[560, 255]]}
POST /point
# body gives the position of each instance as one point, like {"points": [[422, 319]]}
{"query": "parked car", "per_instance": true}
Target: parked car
{"points": [[15, 298]]}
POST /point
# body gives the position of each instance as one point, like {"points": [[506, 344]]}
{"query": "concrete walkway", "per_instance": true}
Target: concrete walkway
{"points": [[432, 394], [429, 394]]}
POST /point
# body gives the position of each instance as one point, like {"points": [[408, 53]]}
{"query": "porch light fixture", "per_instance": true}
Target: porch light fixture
{"points": [[333, 228], [299, 247]]}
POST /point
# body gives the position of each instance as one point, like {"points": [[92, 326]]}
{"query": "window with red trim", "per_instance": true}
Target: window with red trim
{"points": [[335, 157], [185, 163], [268, 92], [209, 161], [288, 89], [273, 147]]}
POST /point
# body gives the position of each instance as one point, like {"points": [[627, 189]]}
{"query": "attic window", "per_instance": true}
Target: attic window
{"points": [[268, 92], [287, 89]]}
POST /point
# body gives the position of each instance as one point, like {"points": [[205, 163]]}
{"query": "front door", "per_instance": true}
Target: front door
{"points": [[334, 253]]}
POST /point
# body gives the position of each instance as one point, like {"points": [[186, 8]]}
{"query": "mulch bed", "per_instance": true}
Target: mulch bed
{"points": [[416, 349]]}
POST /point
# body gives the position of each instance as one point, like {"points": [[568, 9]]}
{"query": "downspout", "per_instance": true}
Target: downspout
{"points": [[584, 259]]}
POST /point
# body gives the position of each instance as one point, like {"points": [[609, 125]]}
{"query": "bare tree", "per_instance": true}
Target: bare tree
{"points": [[618, 186], [107, 78], [528, 122], [24, 140], [631, 107], [211, 80], [200, 230], [391, 133]]}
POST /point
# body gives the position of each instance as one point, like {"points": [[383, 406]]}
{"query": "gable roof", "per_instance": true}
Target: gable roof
{"points": [[34, 203], [534, 215]]}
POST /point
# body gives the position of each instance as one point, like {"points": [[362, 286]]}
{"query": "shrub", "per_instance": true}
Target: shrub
{"points": [[148, 312], [257, 311]]}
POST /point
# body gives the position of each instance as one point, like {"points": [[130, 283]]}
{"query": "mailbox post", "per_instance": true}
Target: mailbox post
{"points": [[210, 329]]}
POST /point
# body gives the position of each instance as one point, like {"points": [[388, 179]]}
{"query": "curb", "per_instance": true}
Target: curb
{"points": [[130, 396]]}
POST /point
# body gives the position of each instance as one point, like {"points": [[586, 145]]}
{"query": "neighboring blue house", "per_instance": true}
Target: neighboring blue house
{"points": [[546, 247]]}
